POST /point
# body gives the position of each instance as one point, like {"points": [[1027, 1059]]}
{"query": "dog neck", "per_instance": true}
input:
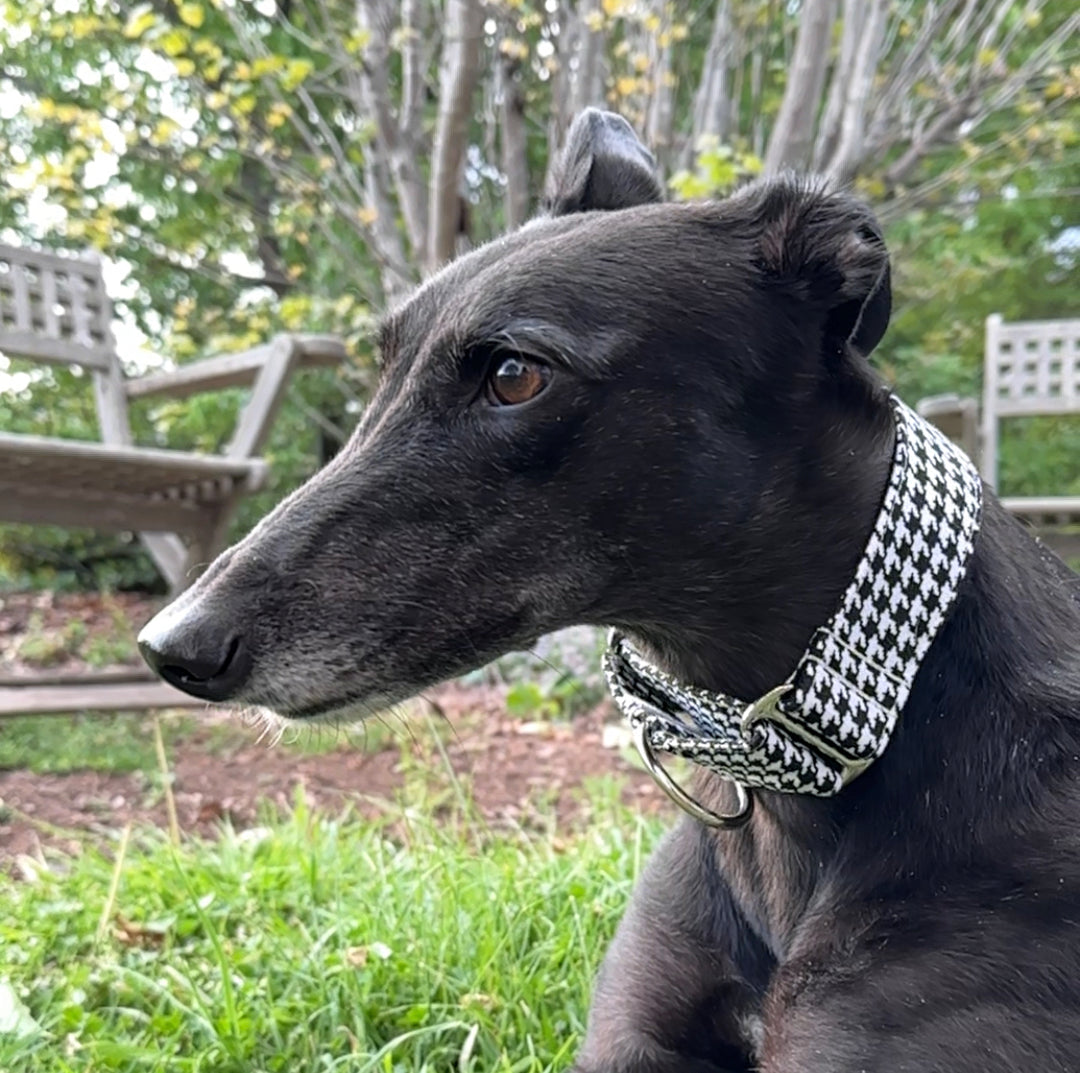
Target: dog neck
{"points": [[834, 715]]}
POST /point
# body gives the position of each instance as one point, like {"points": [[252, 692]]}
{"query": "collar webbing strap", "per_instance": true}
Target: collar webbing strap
{"points": [[836, 712]]}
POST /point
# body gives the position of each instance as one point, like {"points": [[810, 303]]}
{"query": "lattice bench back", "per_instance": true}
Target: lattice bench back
{"points": [[1032, 370], [54, 309]]}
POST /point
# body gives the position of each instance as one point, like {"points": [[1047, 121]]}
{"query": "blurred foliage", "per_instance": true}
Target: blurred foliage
{"points": [[209, 150]]}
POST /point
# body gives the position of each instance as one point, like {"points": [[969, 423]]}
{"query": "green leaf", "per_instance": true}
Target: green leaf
{"points": [[15, 1018]]}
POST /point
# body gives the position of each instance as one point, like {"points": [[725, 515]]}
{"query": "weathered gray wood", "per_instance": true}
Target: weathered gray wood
{"points": [[266, 397], [1031, 368], [19, 344], [57, 310], [1059, 510], [988, 459], [233, 370], [108, 696], [143, 469], [113, 512], [20, 293], [113, 675], [957, 417], [49, 302], [80, 315], [44, 259], [170, 555]]}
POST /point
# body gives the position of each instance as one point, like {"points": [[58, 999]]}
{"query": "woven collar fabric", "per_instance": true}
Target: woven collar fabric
{"points": [[845, 695]]}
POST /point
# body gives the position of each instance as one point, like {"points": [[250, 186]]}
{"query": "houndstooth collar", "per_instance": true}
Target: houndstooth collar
{"points": [[836, 712]]}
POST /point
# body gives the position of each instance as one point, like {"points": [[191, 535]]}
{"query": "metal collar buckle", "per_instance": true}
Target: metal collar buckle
{"points": [[744, 798], [766, 710]]}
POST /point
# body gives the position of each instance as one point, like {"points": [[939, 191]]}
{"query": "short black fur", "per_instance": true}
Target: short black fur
{"points": [[702, 471]]}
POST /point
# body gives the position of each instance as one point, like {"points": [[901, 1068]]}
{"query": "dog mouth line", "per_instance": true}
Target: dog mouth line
{"points": [[349, 707]]}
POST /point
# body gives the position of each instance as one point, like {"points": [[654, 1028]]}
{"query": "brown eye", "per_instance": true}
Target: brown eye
{"points": [[516, 380]]}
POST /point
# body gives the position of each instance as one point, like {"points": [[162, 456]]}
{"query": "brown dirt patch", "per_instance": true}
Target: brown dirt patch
{"points": [[516, 774]]}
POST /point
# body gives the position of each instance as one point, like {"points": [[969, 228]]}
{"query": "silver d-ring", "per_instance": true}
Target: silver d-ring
{"points": [[744, 798]]}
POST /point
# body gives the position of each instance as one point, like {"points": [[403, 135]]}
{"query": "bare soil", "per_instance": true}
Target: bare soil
{"points": [[516, 774]]}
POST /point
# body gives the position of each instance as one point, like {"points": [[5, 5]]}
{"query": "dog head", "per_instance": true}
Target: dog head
{"points": [[627, 412]]}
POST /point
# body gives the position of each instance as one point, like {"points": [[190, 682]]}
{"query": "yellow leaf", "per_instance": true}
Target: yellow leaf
{"points": [[594, 20], [265, 64], [295, 73], [625, 86], [185, 67], [640, 62], [367, 215], [139, 21], [174, 43], [192, 15], [165, 129], [245, 105], [357, 41], [279, 112], [85, 25]]}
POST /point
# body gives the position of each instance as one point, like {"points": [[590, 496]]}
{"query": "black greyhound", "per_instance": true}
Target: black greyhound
{"points": [[660, 417]]}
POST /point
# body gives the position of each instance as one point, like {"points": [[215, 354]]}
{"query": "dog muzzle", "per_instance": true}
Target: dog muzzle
{"points": [[835, 714]]}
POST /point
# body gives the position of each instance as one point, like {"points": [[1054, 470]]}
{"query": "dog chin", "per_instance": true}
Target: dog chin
{"points": [[341, 712]]}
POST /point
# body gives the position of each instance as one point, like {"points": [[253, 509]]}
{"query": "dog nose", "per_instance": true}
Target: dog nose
{"points": [[200, 657]]}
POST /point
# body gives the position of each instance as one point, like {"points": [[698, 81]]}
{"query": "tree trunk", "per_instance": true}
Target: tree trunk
{"points": [[711, 108], [460, 71], [660, 112], [828, 134], [792, 136], [397, 144], [513, 143], [850, 145]]}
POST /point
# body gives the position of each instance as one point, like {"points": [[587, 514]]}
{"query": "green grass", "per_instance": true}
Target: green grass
{"points": [[318, 944], [124, 741], [57, 743]]}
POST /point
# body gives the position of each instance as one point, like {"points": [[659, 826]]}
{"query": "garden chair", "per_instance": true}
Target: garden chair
{"points": [[55, 310], [1031, 369]]}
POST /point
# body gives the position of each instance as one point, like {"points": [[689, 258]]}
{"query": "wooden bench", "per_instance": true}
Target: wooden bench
{"points": [[55, 310], [1031, 369]]}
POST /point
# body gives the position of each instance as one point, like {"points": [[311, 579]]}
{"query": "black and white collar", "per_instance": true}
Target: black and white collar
{"points": [[835, 714]]}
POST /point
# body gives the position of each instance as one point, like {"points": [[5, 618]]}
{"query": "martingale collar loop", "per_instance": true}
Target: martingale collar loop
{"points": [[835, 714]]}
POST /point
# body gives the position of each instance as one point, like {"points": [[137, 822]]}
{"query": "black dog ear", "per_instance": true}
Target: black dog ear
{"points": [[831, 246], [602, 166]]}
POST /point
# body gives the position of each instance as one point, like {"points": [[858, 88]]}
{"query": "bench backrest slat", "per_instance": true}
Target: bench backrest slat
{"points": [[1032, 369], [56, 310]]}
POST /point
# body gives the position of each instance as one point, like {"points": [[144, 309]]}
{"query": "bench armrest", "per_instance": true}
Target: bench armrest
{"points": [[235, 370], [955, 415]]}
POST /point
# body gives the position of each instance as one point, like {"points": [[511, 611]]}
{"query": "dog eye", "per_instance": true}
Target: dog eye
{"points": [[516, 380]]}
